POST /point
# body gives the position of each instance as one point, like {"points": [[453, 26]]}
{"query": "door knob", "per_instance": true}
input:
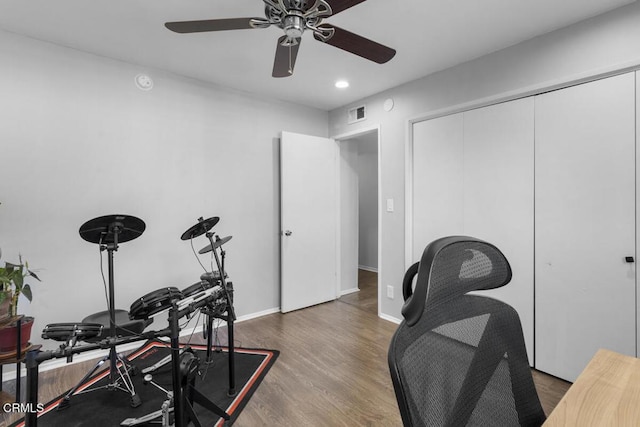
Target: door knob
{"points": [[629, 259], [288, 233]]}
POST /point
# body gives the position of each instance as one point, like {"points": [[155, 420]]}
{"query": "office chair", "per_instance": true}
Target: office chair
{"points": [[459, 359]]}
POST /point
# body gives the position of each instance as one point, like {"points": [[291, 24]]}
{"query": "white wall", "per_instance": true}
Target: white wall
{"points": [[358, 207], [367, 168], [348, 217], [595, 46], [78, 140]]}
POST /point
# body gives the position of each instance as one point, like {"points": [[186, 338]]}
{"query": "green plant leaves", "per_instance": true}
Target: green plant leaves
{"points": [[18, 279], [32, 274], [26, 291], [12, 282]]}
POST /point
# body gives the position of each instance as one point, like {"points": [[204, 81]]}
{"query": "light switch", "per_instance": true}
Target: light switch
{"points": [[389, 205]]}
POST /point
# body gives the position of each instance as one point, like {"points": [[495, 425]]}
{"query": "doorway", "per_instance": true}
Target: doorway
{"points": [[359, 220]]}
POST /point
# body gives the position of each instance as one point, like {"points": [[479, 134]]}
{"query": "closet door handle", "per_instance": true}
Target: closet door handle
{"points": [[629, 259]]}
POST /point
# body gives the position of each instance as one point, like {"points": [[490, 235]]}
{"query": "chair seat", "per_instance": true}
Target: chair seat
{"points": [[124, 326]]}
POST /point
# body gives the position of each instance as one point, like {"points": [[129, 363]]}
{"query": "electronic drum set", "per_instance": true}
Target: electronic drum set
{"points": [[212, 296]]}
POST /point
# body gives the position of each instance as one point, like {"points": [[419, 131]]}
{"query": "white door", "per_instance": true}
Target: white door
{"points": [[473, 175], [584, 224], [309, 191], [437, 181], [637, 210], [498, 196]]}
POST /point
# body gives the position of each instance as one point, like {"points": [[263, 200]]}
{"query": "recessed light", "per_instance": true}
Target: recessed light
{"points": [[342, 84]]}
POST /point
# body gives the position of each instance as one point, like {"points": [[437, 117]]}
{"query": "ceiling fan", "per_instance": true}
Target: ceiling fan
{"points": [[294, 17]]}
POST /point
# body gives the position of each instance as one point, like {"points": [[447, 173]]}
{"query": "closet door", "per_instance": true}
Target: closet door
{"points": [[498, 195], [473, 175], [637, 208], [584, 224], [437, 181]]}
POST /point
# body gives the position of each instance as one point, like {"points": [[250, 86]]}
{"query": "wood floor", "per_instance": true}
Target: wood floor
{"points": [[332, 369]]}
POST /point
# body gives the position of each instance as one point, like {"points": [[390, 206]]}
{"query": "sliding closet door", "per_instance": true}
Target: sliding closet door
{"points": [[585, 224], [473, 175], [437, 181], [498, 195], [637, 208]]}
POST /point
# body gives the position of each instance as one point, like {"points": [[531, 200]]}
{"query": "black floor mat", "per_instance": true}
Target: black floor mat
{"points": [[103, 407]]}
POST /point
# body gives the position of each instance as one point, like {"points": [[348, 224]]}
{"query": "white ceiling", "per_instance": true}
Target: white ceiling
{"points": [[428, 36]]}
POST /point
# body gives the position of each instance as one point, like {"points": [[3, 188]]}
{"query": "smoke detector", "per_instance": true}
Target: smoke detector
{"points": [[144, 82]]}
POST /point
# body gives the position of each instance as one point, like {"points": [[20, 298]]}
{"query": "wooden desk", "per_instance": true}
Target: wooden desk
{"points": [[607, 393]]}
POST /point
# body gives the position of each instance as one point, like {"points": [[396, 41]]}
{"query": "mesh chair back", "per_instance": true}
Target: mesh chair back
{"points": [[460, 359]]}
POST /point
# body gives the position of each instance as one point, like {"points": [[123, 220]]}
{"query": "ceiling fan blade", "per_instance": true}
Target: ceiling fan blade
{"points": [[338, 6], [211, 25], [285, 58], [357, 45]]}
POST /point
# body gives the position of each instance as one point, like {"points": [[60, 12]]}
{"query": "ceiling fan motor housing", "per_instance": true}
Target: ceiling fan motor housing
{"points": [[299, 4], [310, 12], [293, 26]]}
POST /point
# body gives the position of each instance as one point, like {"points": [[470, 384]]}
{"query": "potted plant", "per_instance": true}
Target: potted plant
{"points": [[12, 285]]}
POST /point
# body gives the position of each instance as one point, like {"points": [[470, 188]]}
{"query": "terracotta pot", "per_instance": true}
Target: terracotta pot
{"points": [[9, 334]]}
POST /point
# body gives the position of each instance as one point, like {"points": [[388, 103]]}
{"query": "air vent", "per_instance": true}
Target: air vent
{"points": [[357, 114]]}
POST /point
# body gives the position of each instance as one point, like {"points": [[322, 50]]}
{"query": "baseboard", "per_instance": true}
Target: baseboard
{"points": [[349, 291], [371, 269], [222, 324], [390, 318], [258, 314], [96, 354], [48, 365]]}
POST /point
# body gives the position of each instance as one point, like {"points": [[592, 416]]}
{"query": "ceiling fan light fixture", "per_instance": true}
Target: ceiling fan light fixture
{"points": [[293, 26], [342, 84]]}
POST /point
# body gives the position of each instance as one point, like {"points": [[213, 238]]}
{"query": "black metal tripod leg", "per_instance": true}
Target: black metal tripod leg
{"points": [[202, 400], [123, 372], [66, 400], [232, 370], [209, 335], [191, 415], [31, 418]]}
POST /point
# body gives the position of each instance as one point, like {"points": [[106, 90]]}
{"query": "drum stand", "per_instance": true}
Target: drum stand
{"points": [[203, 227], [184, 392], [230, 317], [119, 378], [184, 369], [35, 357]]}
